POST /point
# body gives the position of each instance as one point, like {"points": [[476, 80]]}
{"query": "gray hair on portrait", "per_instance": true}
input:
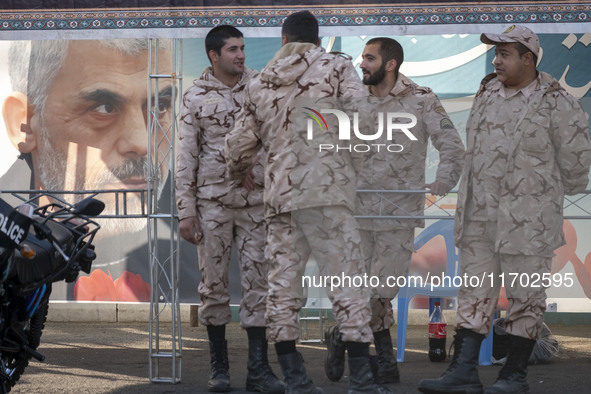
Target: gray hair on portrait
{"points": [[33, 65]]}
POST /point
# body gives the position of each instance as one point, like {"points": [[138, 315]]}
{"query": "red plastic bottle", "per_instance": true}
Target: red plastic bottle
{"points": [[437, 334]]}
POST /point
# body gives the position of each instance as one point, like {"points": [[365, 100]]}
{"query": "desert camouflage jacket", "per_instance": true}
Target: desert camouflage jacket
{"points": [[297, 81], [207, 115], [404, 169], [549, 156]]}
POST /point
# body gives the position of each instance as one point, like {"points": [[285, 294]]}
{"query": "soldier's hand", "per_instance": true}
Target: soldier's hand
{"points": [[438, 188], [190, 229], [248, 180]]}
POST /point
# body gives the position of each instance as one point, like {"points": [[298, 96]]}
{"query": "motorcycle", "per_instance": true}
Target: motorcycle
{"points": [[39, 245]]}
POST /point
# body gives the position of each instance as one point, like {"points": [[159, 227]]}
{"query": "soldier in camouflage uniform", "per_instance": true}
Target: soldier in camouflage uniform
{"points": [[215, 212], [389, 243], [527, 146], [309, 194]]}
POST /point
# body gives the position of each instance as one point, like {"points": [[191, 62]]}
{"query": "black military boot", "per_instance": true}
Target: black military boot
{"points": [[462, 374], [334, 365], [296, 378], [219, 381], [513, 376], [260, 377], [383, 365], [361, 380]]}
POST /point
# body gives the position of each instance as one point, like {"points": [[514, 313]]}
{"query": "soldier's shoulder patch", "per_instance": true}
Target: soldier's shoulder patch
{"points": [[341, 54], [439, 109], [446, 123]]}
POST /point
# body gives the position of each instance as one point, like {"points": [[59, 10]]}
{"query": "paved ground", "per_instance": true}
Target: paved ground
{"points": [[113, 358]]}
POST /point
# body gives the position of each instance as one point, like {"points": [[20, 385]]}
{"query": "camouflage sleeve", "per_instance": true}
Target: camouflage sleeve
{"points": [[446, 140], [187, 161], [242, 143], [570, 136], [353, 96]]}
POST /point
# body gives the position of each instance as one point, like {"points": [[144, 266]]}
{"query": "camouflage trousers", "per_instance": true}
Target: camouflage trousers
{"points": [[487, 271], [388, 255], [246, 228], [330, 235]]}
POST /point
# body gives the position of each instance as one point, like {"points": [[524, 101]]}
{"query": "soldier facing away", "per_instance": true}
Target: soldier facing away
{"points": [[527, 145], [309, 194], [215, 212]]}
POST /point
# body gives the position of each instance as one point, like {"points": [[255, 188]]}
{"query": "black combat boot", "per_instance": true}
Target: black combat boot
{"points": [[260, 377], [383, 365], [296, 378], [513, 376], [219, 381], [462, 374], [334, 365], [361, 380]]}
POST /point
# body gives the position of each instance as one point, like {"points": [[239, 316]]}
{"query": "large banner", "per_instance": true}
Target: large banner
{"points": [[74, 109], [92, 136]]}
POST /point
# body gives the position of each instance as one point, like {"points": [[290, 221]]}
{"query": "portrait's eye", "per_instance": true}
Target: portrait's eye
{"points": [[162, 106], [105, 108]]}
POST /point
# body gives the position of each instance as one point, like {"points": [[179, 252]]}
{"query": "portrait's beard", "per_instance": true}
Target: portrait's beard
{"points": [[54, 175]]}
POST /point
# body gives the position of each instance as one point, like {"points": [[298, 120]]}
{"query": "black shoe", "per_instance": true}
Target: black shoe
{"points": [[219, 380], [334, 365], [260, 376], [384, 365], [361, 380], [462, 374], [513, 376], [296, 378]]}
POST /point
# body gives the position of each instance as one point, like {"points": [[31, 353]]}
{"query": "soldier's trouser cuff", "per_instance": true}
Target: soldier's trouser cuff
{"points": [[215, 315], [282, 319], [382, 315]]}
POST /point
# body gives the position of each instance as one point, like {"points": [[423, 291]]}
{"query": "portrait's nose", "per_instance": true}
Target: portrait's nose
{"points": [[133, 142]]}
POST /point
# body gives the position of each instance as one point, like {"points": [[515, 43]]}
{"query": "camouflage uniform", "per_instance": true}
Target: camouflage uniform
{"points": [[524, 152], [226, 211], [309, 195], [389, 243]]}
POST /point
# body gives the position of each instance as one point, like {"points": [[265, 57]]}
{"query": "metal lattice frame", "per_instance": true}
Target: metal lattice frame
{"points": [[165, 322]]}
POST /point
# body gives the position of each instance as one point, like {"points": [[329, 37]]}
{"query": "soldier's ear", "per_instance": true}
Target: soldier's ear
{"points": [[213, 56], [391, 65], [17, 116], [529, 58]]}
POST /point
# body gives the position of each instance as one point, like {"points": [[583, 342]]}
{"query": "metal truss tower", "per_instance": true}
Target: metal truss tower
{"points": [[163, 235]]}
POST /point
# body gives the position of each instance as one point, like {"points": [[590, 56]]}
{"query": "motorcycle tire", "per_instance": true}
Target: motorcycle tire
{"points": [[17, 362]]}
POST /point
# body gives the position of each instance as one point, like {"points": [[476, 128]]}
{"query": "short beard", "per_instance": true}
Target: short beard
{"points": [[376, 77], [54, 176]]}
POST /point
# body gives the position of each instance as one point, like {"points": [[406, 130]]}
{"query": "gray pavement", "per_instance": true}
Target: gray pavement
{"points": [[113, 358]]}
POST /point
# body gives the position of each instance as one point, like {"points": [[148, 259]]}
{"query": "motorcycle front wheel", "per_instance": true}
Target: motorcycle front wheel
{"points": [[14, 363]]}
